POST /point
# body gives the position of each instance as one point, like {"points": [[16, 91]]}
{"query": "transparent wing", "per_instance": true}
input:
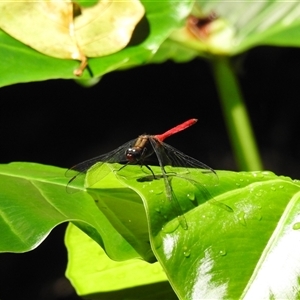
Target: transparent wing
{"points": [[177, 163], [163, 159], [94, 165]]}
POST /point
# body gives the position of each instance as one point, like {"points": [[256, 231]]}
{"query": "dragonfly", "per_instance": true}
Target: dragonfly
{"points": [[139, 151]]}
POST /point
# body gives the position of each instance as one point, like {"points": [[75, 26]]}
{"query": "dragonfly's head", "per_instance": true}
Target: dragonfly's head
{"points": [[139, 151], [134, 154]]}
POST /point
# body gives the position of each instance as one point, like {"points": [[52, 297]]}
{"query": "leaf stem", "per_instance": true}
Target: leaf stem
{"points": [[236, 116]]}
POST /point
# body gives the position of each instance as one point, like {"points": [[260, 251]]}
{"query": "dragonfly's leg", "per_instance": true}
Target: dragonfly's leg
{"points": [[123, 166], [150, 171]]}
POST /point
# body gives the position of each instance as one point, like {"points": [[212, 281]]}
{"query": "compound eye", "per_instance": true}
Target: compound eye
{"points": [[133, 154]]}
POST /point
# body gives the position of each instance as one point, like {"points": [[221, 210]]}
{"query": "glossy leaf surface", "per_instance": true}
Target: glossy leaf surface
{"points": [[223, 254], [34, 200], [227, 254]]}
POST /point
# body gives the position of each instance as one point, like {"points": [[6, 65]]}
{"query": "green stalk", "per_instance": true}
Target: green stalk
{"points": [[236, 116]]}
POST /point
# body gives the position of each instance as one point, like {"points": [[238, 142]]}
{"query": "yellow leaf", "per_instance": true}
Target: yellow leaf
{"points": [[63, 29]]}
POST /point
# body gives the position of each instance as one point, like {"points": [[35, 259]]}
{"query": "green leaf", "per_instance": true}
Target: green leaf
{"points": [[240, 232], [225, 253], [231, 254], [178, 52], [93, 273], [22, 64], [33, 200], [240, 26]]}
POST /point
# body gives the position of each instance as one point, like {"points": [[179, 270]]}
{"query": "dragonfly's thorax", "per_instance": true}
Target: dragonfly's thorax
{"points": [[140, 149]]}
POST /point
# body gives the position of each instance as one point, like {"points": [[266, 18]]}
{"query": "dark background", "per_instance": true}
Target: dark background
{"points": [[61, 123]]}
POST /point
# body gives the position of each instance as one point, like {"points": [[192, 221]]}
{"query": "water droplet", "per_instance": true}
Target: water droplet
{"points": [[241, 218], [170, 226], [273, 188], [186, 251], [191, 196], [258, 216], [238, 184], [155, 270], [223, 252], [267, 173], [158, 192], [157, 209], [258, 174], [296, 226], [241, 179], [157, 241]]}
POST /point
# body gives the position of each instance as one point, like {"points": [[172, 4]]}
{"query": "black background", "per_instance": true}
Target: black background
{"points": [[61, 123]]}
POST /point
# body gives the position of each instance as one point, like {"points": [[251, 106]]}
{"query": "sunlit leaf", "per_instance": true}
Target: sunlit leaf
{"points": [[33, 200], [63, 29], [92, 272], [224, 253], [227, 254], [21, 63]]}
